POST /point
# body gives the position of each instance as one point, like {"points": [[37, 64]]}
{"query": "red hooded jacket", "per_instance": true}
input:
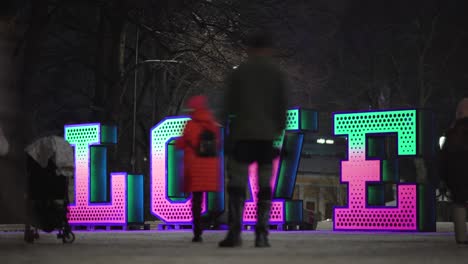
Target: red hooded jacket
{"points": [[201, 174]]}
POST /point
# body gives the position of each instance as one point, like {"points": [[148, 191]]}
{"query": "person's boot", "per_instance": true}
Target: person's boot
{"points": [[196, 212], [459, 224], [197, 231], [261, 239], [236, 207], [197, 239], [261, 229], [233, 239]]}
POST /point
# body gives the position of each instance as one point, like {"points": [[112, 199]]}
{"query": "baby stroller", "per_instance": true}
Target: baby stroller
{"points": [[48, 169]]}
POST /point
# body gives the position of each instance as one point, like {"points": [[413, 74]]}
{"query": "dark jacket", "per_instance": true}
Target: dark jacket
{"points": [[454, 161], [256, 96]]}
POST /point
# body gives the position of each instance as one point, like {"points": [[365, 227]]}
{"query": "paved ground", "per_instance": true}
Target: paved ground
{"points": [[288, 248]]}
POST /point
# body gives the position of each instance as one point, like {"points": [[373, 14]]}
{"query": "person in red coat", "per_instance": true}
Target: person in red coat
{"points": [[201, 170]]}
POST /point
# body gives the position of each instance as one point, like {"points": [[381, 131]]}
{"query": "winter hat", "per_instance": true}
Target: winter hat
{"points": [[198, 102]]}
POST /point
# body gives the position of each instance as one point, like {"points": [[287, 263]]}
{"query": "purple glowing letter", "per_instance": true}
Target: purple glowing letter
{"points": [[161, 206], [357, 171], [180, 212], [83, 212]]}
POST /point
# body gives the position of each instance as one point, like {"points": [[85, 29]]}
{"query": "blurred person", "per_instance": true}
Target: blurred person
{"points": [[50, 168], [200, 142], [256, 98], [453, 170]]}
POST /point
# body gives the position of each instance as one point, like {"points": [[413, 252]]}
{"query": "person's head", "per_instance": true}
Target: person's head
{"points": [[197, 102], [462, 109], [260, 43]]}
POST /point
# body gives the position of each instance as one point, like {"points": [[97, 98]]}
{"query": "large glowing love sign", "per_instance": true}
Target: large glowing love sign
{"points": [[83, 137], [357, 171]]}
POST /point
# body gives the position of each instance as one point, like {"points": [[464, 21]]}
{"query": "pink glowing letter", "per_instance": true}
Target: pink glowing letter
{"points": [[357, 171], [168, 211], [180, 212], [83, 212]]}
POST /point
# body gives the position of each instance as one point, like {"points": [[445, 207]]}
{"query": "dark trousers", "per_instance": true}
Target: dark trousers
{"points": [[244, 153], [197, 198]]}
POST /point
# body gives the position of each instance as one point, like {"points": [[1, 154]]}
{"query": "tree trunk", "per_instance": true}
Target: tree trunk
{"points": [[34, 36], [116, 62], [100, 92], [13, 186], [110, 59]]}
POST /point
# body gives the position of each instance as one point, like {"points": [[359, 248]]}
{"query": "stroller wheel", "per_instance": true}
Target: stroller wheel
{"points": [[68, 237]]}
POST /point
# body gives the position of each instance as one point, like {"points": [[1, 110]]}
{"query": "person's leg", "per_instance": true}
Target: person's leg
{"points": [[28, 230], [197, 198], [237, 177], [265, 156], [459, 223], [263, 205]]}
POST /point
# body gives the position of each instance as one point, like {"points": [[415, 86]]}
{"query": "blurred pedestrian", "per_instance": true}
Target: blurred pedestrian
{"points": [[256, 98], [454, 173], [200, 142]]}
